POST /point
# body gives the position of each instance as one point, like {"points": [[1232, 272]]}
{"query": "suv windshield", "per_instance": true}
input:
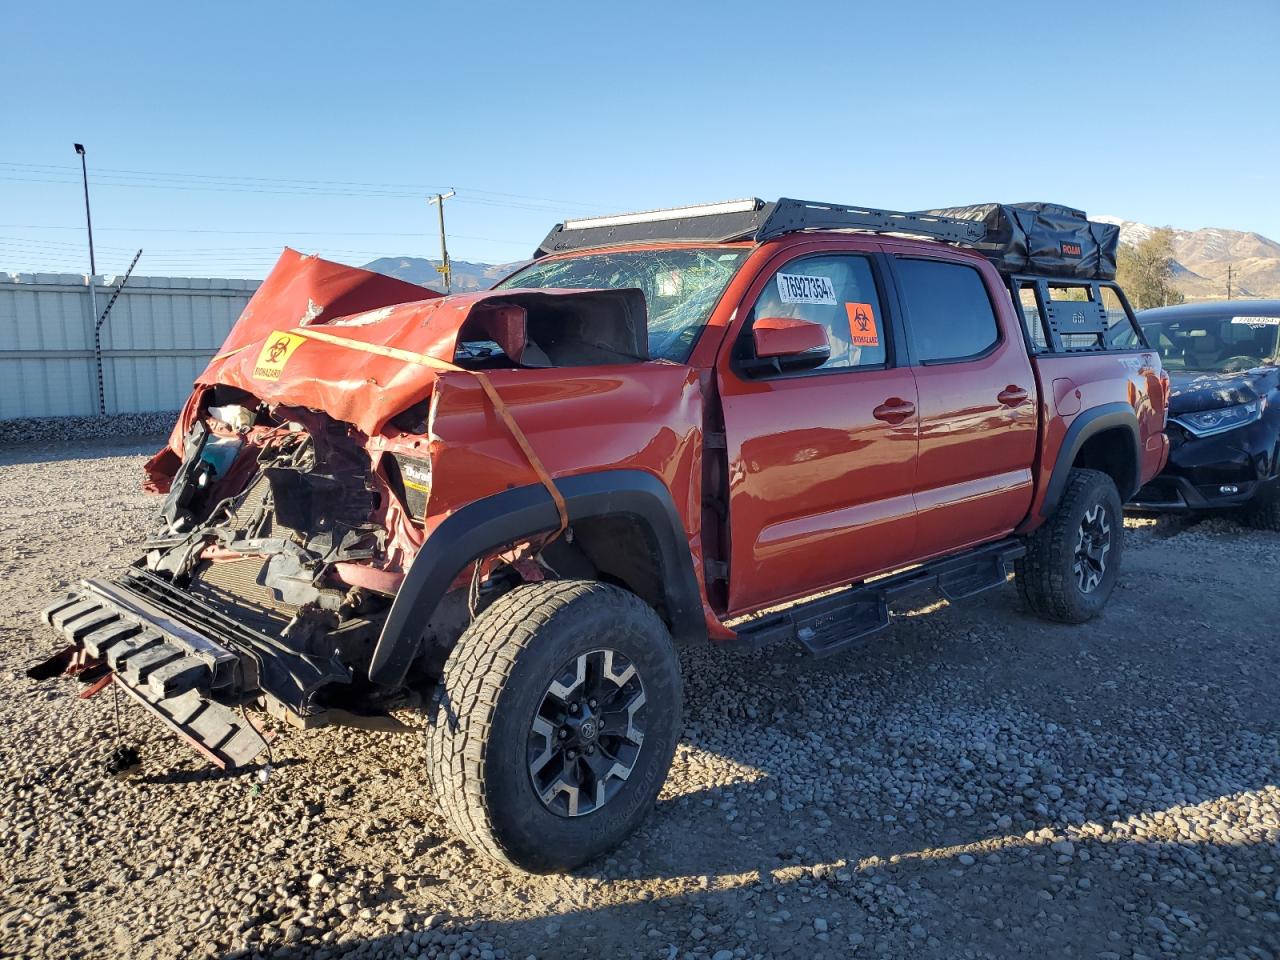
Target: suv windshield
{"points": [[680, 287], [1225, 342]]}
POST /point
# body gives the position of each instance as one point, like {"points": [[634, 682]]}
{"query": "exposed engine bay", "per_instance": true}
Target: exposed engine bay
{"points": [[265, 513]]}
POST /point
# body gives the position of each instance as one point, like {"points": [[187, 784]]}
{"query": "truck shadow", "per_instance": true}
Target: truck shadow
{"points": [[903, 906], [904, 808]]}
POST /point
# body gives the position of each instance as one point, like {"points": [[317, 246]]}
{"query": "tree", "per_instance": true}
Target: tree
{"points": [[1145, 271]]}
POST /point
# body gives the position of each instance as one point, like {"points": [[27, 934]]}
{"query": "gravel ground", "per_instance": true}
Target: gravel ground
{"points": [[44, 430], [976, 783]]}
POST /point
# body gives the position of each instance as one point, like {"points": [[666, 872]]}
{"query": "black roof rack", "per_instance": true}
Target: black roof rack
{"points": [[751, 219]]}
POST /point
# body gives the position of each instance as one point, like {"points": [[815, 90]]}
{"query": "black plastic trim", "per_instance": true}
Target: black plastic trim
{"points": [[1090, 422], [522, 512], [1191, 500]]}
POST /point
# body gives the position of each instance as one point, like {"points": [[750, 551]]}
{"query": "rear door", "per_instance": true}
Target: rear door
{"points": [[977, 402], [821, 462]]}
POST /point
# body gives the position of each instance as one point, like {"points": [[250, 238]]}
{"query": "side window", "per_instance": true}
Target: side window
{"points": [[839, 294], [949, 315]]}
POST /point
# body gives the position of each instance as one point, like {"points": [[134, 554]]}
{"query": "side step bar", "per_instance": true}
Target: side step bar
{"points": [[165, 666], [835, 622]]}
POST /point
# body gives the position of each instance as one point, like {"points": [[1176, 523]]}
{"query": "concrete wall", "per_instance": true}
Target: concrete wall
{"points": [[160, 334]]}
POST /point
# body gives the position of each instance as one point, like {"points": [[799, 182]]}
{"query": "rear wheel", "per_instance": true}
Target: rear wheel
{"points": [[555, 723], [1073, 560]]}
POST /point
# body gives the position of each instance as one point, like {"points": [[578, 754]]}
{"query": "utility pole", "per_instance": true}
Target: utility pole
{"points": [[444, 269], [93, 266], [1228, 281]]}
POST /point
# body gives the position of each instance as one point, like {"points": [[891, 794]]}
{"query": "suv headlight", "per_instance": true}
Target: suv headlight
{"points": [[1206, 423]]}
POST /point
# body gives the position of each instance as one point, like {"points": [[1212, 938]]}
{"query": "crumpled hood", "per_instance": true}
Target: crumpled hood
{"points": [[363, 347], [1192, 392]]}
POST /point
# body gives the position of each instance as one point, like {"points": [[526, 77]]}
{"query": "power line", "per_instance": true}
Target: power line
{"points": [[266, 233], [415, 189], [106, 182]]}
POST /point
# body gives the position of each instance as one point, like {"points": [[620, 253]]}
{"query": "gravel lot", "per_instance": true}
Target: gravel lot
{"points": [[975, 783]]}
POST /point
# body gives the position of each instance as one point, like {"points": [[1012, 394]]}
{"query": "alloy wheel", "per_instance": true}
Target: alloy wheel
{"points": [[586, 735], [1093, 543]]}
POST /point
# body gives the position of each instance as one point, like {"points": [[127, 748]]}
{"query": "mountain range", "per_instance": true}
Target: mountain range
{"points": [[1202, 257], [1200, 272], [466, 275]]}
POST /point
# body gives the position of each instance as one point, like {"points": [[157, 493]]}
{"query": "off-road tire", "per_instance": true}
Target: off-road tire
{"points": [[1263, 513], [1046, 578], [493, 683]]}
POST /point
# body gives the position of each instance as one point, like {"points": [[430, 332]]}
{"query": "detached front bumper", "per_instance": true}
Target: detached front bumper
{"points": [[192, 683]]}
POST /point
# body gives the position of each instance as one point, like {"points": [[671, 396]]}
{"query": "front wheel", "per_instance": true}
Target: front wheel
{"points": [[555, 723], [1073, 560]]}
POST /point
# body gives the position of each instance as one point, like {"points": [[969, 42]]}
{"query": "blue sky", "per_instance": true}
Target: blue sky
{"points": [[218, 133]]}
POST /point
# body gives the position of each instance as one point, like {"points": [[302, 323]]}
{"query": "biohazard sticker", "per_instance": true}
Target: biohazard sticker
{"points": [[797, 288], [862, 325], [275, 353]]}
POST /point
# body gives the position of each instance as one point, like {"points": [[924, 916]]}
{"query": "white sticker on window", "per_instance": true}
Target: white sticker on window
{"points": [[795, 288], [1257, 321]]}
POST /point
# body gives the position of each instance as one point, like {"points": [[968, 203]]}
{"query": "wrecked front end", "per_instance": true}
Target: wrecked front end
{"points": [[298, 490], [265, 585]]}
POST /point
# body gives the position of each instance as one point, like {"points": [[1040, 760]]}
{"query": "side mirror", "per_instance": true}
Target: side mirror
{"points": [[784, 344]]}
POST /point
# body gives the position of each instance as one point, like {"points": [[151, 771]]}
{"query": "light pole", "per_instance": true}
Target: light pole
{"points": [[444, 267], [93, 266]]}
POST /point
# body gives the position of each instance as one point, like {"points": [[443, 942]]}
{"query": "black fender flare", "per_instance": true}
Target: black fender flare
{"points": [[493, 522], [1093, 421]]}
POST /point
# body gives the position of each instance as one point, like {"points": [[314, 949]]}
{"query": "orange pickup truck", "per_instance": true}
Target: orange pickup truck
{"points": [[509, 508]]}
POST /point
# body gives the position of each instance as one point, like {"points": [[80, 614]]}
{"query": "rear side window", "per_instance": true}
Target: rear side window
{"points": [[949, 315]]}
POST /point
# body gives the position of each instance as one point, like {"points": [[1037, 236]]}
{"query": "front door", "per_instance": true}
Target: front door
{"points": [[821, 461]]}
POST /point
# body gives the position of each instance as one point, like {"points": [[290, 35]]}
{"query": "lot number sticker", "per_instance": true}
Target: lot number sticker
{"points": [[862, 325], [1257, 321], [275, 353], [797, 288]]}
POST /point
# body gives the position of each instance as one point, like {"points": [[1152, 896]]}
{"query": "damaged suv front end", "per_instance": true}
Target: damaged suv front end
{"points": [[1223, 360]]}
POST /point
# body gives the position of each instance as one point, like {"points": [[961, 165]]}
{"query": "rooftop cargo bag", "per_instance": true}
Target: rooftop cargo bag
{"points": [[1043, 238]]}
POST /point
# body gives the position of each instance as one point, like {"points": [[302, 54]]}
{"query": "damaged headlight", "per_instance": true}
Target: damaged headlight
{"points": [[1206, 423], [415, 478]]}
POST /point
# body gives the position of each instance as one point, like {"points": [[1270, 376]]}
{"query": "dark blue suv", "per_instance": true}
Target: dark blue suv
{"points": [[1224, 409]]}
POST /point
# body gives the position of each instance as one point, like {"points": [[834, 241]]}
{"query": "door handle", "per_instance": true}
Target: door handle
{"points": [[894, 410], [1012, 396]]}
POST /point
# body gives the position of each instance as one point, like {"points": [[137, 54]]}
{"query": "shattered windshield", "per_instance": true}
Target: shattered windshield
{"points": [[1229, 342], [680, 287]]}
